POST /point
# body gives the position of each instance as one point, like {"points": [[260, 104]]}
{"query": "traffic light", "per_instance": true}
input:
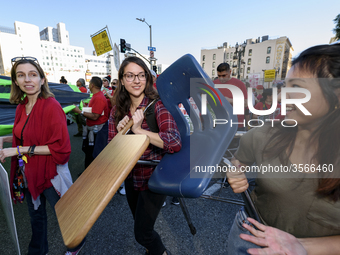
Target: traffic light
{"points": [[155, 69], [122, 46]]}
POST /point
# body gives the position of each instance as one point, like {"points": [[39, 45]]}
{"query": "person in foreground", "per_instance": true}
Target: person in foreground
{"points": [[41, 137], [135, 90], [300, 210]]}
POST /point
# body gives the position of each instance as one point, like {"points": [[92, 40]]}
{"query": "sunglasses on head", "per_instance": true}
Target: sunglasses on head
{"points": [[16, 59]]}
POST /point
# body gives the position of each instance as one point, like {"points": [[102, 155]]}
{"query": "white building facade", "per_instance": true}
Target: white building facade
{"points": [[250, 59], [51, 46]]}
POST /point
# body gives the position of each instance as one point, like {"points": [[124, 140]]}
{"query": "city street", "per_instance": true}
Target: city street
{"points": [[113, 231]]}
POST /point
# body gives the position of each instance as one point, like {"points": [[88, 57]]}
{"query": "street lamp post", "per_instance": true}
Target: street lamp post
{"points": [[143, 20]]}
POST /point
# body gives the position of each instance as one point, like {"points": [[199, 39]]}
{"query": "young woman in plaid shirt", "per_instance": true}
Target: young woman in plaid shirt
{"points": [[135, 90]]}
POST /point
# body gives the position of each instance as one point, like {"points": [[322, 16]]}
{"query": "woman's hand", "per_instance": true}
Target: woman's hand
{"points": [[273, 240], [8, 152], [237, 180], [122, 123], [138, 118]]}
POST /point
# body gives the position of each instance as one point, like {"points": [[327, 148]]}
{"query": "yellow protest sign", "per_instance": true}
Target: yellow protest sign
{"points": [[269, 75], [101, 43]]}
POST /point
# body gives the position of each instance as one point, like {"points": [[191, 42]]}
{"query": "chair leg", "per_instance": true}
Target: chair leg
{"points": [[187, 215]]}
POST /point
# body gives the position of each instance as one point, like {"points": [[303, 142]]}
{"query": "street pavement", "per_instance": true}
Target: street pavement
{"points": [[113, 231]]}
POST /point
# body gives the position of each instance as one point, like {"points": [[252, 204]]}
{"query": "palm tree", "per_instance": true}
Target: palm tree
{"points": [[336, 30]]}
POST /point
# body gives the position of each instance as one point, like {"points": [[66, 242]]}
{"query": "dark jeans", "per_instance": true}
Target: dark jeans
{"points": [[145, 207], [100, 141], [38, 244]]}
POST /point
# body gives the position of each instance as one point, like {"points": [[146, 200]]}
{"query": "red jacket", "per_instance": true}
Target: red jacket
{"points": [[46, 126]]}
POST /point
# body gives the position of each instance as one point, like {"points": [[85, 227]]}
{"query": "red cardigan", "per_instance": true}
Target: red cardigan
{"points": [[46, 126]]}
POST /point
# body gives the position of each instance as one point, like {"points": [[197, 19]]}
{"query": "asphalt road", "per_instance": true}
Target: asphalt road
{"points": [[113, 231]]}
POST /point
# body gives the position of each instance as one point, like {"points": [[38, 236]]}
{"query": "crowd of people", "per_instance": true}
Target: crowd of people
{"points": [[299, 211]]}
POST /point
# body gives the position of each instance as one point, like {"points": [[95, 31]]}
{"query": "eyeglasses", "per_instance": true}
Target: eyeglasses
{"points": [[16, 59], [113, 83], [131, 77]]}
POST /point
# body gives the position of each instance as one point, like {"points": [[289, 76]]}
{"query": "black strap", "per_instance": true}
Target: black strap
{"points": [[22, 131], [151, 118]]}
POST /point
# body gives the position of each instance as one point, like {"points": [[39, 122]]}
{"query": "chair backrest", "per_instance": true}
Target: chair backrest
{"points": [[203, 147]]}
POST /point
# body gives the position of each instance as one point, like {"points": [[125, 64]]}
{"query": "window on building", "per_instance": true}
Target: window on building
{"points": [[56, 64], [42, 46], [48, 63], [46, 57], [250, 52], [203, 65], [269, 50], [213, 72], [228, 55], [214, 56], [203, 58], [249, 61], [248, 69], [213, 65], [267, 60], [231, 55]]}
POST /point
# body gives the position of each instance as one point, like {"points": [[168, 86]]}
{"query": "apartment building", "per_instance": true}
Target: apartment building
{"points": [[51, 46], [251, 58]]}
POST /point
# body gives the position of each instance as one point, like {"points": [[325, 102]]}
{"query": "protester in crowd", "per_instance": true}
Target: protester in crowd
{"points": [[106, 82], [108, 91], [224, 77], [81, 85], [266, 104], [78, 117], [114, 84], [135, 90], [259, 91], [300, 210], [95, 131], [63, 80], [41, 142]]}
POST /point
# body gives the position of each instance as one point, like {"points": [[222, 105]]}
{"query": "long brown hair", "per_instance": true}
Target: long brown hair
{"points": [[323, 62], [17, 95], [122, 97]]}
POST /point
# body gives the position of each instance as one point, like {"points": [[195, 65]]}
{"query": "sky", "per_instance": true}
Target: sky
{"points": [[180, 27]]}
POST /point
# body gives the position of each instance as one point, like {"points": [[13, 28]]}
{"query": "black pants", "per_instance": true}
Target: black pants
{"points": [[145, 207], [100, 141]]}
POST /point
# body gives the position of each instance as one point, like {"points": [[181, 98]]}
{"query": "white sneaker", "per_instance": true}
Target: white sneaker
{"points": [[164, 204], [122, 191]]}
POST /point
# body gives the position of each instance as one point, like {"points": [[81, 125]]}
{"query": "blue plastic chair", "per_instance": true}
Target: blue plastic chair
{"points": [[176, 173]]}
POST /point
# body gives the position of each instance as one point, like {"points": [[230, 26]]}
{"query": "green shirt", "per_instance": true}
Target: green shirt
{"points": [[288, 201]]}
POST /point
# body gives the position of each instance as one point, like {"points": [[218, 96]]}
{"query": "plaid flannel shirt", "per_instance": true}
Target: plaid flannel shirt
{"points": [[168, 132]]}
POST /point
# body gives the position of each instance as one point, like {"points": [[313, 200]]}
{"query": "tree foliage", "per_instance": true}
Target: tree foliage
{"points": [[336, 30]]}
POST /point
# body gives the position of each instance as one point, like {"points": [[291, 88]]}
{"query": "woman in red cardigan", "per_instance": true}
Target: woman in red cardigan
{"points": [[39, 133]]}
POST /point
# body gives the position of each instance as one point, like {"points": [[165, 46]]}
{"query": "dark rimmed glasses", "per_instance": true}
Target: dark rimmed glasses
{"points": [[16, 59], [131, 77]]}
